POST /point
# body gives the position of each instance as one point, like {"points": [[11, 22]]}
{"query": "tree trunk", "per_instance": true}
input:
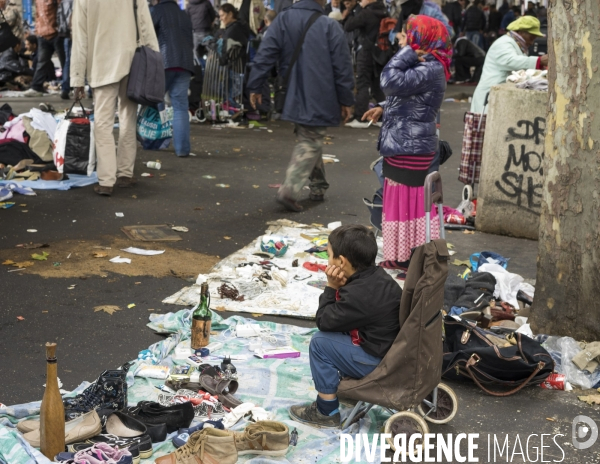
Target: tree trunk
{"points": [[567, 299]]}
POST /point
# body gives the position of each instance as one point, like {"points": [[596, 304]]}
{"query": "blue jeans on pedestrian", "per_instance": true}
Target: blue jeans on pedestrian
{"points": [[66, 80], [476, 37], [177, 84], [332, 356]]}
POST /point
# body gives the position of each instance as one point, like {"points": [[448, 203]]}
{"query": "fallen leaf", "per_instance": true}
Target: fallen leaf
{"points": [[227, 238], [132, 305], [590, 399], [465, 262], [137, 283], [237, 149], [8, 262], [257, 314], [198, 208], [449, 245], [44, 311], [180, 229], [98, 254], [133, 196], [42, 257], [20, 318], [469, 232], [109, 309], [209, 177], [255, 186], [550, 419], [163, 175], [274, 186], [222, 185], [24, 264], [150, 309], [22, 205]]}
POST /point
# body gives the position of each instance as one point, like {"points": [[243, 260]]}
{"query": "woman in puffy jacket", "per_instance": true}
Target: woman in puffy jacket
{"points": [[414, 82]]}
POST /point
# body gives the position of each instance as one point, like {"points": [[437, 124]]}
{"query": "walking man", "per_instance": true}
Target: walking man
{"points": [[319, 91], [104, 42]]}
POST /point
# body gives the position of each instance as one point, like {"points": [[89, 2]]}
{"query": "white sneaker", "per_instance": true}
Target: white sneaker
{"points": [[356, 124], [32, 93]]}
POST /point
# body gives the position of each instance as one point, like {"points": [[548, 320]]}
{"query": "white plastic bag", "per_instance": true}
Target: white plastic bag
{"points": [[507, 284], [60, 140], [86, 162]]}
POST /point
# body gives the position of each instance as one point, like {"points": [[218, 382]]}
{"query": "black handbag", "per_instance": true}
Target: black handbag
{"points": [[470, 355], [146, 84], [445, 151], [7, 38], [281, 90]]}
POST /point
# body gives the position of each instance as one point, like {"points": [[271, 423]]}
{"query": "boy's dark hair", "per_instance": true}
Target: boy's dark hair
{"points": [[356, 243], [32, 39]]}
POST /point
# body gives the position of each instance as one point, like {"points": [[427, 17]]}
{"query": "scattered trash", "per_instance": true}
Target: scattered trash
{"points": [[209, 177], [222, 185], [109, 309], [163, 175], [140, 251], [150, 309], [198, 208], [133, 196], [227, 238], [31, 245], [153, 233], [6, 204], [237, 149], [72, 287], [180, 229], [56, 264], [26, 211], [21, 318], [590, 399], [42, 257], [131, 305], [98, 254], [22, 205], [15, 270], [118, 260], [334, 225], [32, 230], [69, 255], [270, 131], [274, 245], [274, 186], [147, 174], [363, 140], [256, 186], [153, 165], [469, 232], [459, 262], [119, 215]]}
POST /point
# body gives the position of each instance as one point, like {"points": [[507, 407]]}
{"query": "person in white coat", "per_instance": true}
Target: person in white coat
{"points": [[104, 42], [507, 54]]}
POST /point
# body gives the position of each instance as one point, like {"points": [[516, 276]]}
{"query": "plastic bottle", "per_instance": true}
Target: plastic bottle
{"points": [[154, 165]]}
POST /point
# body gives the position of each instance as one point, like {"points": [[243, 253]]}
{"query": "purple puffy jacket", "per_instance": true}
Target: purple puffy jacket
{"points": [[414, 93]]}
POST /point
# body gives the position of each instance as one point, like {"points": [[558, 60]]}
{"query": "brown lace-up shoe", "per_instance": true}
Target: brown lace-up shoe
{"points": [[267, 438], [207, 446]]}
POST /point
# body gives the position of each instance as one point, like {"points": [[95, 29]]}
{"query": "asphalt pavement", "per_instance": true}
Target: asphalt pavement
{"points": [[60, 307]]}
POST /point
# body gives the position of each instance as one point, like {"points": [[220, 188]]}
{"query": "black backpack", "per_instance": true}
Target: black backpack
{"points": [[470, 355]]}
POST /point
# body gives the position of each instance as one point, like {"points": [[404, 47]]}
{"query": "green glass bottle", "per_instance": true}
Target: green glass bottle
{"points": [[201, 320]]}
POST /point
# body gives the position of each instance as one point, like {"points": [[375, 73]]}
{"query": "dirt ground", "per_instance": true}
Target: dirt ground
{"points": [[86, 258]]}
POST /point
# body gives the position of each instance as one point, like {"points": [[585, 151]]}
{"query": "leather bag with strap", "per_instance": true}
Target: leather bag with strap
{"points": [[470, 355], [146, 84]]}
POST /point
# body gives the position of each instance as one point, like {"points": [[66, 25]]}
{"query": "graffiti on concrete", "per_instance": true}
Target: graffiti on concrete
{"points": [[521, 181]]}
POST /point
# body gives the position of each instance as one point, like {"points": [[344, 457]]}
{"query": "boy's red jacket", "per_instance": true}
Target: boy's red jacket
{"points": [[369, 303]]}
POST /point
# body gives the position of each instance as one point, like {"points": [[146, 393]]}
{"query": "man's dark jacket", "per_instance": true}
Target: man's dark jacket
{"points": [[370, 303], [174, 33], [322, 78], [366, 22], [202, 14], [474, 19]]}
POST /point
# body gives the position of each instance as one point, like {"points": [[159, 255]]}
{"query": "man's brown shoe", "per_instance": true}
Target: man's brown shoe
{"points": [[125, 182], [267, 438], [207, 446], [102, 190]]}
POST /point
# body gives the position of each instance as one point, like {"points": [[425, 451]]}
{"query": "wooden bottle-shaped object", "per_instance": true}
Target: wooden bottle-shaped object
{"points": [[52, 411]]}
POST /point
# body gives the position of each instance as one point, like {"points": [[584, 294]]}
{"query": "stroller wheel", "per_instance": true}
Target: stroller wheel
{"points": [[405, 423], [447, 406], [467, 193]]}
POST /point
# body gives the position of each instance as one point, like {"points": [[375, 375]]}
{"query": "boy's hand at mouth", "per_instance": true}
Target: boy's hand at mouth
{"points": [[335, 277]]}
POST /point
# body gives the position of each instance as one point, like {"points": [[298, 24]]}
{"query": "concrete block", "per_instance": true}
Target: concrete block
{"points": [[511, 181]]}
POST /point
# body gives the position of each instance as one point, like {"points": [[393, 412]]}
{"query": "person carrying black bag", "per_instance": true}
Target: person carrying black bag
{"points": [[63, 19], [104, 45]]}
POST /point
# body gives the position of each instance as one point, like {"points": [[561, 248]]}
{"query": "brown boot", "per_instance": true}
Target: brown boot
{"points": [[102, 190], [207, 446], [124, 182], [267, 438]]}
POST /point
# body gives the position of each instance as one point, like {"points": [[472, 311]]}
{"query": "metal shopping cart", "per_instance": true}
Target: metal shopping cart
{"points": [[222, 89]]}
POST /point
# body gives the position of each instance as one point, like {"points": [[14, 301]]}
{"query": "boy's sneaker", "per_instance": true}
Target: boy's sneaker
{"points": [[208, 446], [102, 453], [356, 124], [267, 438], [134, 450], [33, 93], [309, 414], [143, 443]]}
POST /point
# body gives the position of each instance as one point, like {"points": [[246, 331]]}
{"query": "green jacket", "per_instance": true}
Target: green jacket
{"points": [[503, 57]]}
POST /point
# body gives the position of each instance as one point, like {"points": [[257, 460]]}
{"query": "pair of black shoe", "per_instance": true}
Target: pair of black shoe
{"points": [[160, 420]]}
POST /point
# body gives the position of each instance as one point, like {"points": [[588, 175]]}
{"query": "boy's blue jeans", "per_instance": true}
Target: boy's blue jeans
{"points": [[177, 84], [332, 355]]}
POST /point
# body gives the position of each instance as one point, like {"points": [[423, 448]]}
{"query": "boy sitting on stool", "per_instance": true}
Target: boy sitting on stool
{"points": [[358, 321]]}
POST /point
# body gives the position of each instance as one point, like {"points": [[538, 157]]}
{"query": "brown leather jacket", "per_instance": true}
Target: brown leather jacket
{"points": [[45, 22]]}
